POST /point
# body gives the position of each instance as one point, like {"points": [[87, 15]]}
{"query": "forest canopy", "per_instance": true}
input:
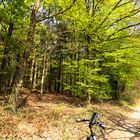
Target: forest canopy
{"points": [[86, 48]]}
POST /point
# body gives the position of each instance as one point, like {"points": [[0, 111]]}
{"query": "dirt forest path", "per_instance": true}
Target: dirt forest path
{"points": [[136, 114], [125, 127], [54, 118]]}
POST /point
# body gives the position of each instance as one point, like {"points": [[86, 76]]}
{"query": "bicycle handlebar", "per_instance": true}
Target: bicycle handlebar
{"points": [[82, 120], [93, 121]]}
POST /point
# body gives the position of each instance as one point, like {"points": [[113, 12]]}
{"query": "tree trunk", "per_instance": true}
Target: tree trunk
{"points": [[44, 71], [35, 74], [24, 60], [17, 81], [32, 70], [59, 73], [49, 74]]}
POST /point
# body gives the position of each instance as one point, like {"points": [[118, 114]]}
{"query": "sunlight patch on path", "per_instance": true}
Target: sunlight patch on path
{"points": [[136, 113]]}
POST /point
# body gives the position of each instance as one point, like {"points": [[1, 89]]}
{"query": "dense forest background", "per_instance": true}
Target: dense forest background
{"points": [[85, 48]]}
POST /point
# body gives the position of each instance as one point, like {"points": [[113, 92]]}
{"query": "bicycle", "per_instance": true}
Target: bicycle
{"points": [[92, 122]]}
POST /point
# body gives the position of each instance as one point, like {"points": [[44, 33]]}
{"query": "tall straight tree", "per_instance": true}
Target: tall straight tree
{"points": [[24, 59]]}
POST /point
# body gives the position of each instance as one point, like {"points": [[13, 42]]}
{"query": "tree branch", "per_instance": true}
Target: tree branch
{"points": [[125, 3], [116, 5], [127, 27], [56, 14], [119, 37], [127, 16]]}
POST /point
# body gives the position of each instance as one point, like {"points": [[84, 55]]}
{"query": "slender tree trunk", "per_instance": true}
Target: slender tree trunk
{"points": [[44, 71], [49, 76], [32, 70], [35, 74], [47, 73], [59, 74]]}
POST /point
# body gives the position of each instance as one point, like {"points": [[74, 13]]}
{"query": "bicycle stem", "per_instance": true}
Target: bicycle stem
{"points": [[91, 131]]}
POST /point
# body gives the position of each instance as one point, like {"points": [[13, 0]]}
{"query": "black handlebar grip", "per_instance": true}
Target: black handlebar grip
{"points": [[82, 120]]}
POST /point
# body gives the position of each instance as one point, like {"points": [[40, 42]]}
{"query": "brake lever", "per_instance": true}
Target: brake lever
{"points": [[102, 125]]}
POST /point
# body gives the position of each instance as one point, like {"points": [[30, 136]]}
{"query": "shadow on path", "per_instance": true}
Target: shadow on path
{"points": [[122, 128]]}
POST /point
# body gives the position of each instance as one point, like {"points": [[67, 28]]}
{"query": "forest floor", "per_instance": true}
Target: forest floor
{"points": [[54, 118]]}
